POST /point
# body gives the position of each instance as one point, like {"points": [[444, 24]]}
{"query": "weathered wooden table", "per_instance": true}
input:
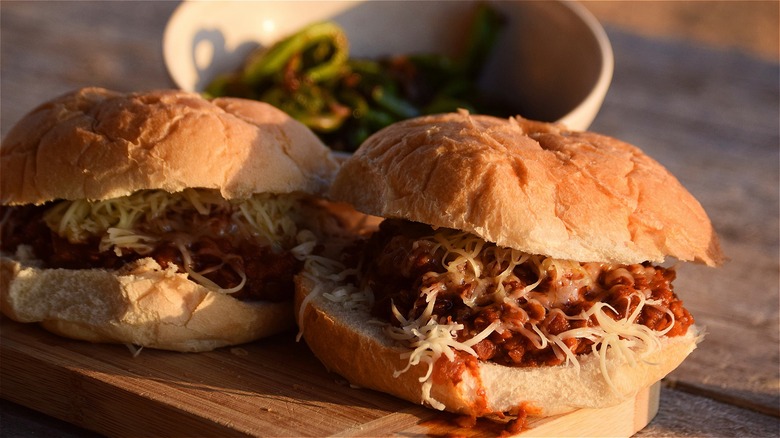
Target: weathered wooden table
{"points": [[711, 116]]}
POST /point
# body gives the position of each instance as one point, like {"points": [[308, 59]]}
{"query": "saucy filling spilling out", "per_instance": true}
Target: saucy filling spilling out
{"points": [[508, 307], [238, 247]]}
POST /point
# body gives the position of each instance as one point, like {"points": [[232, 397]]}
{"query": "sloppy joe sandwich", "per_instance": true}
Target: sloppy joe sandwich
{"points": [[521, 268], [158, 219]]}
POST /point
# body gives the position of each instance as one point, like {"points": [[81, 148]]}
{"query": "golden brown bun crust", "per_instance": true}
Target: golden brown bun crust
{"points": [[532, 186], [144, 305], [360, 352], [98, 144]]}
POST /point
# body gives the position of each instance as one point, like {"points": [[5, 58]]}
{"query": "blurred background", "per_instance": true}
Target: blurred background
{"points": [[747, 26], [751, 26]]}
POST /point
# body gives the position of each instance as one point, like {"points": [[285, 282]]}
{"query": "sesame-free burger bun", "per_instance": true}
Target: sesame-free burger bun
{"points": [[528, 185], [97, 144], [450, 320], [94, 144]]}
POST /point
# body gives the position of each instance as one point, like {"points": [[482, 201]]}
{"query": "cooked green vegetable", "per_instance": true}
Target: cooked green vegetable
{"points": [[316, 53], [310, 76]]}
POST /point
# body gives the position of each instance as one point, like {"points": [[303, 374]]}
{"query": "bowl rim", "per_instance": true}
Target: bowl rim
{"points": [[580, 117]]}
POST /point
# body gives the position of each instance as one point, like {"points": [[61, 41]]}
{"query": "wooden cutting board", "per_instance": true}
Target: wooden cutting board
{"points": [[274, 387]]}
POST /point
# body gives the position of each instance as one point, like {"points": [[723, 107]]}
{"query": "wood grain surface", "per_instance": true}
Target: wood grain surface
{"points": [[713, 121], [750, 27], [710, 113], [274, 387]]}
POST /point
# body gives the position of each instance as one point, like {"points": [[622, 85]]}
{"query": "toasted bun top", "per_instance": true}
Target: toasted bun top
{"points": [[532, 186], [98, 144]]}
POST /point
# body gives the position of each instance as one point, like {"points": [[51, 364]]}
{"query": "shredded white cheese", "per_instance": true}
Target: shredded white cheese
{"points": [[137, 222], [430, 339], [468, 259], [631, 340]]}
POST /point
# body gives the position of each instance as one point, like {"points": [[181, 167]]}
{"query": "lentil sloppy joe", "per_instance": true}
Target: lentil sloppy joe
{"points": [[521, 268], [158, 219]]}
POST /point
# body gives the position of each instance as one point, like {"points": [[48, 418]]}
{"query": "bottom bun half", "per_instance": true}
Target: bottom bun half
{"points": [[143, 305], [348, 343]]}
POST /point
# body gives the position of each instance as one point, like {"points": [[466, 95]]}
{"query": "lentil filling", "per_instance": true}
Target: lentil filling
{"points": [[209, 241], [478, 284]]}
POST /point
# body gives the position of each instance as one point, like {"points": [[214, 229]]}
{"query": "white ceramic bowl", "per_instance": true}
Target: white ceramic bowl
{"points": [[553, 59]]}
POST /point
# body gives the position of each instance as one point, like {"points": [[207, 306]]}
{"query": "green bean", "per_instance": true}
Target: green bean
{"points": [[365, 67], [483, 34], [273, 60], [314, 106], [377, 119], [393, 103], [434, 63]]}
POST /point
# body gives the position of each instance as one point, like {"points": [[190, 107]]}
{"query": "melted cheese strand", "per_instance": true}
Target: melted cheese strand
{"points": [[313, 294], [265, 217], [199, 277], [135, 223], [328, 276], [121, 238], [468, 259], [430, 339], [627, 338], [464, 246]]}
